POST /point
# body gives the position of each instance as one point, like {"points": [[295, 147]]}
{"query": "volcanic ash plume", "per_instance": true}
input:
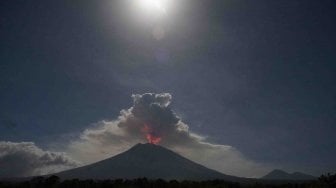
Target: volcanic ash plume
{"points": [[151, 119]]}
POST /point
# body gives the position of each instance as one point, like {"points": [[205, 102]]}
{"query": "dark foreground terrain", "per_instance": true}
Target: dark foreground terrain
{"points": [[325, 181]]}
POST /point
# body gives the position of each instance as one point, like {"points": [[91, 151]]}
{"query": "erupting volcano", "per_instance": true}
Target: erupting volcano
{"points": [[151, 137]]}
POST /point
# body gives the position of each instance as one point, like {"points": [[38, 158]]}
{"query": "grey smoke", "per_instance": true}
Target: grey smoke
{"points": [[26, 159]]}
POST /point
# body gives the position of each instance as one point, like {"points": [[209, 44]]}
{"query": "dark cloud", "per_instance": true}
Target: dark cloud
{"points": [[26, 159], [151, 117]]}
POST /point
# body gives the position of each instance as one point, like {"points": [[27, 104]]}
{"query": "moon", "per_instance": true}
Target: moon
{"points": [[153, 6]]}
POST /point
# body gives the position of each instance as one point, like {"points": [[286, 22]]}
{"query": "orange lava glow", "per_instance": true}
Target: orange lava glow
{"points": [[151, 138]]}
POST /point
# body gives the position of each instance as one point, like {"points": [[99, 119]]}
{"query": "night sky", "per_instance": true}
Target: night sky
{"points": [[256, 75]]}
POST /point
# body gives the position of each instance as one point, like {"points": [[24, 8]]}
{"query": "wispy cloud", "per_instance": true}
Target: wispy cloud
{"points": [[26, 159]]}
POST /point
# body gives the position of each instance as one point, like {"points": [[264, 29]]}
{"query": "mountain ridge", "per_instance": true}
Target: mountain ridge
{"points": [[282, 175]]}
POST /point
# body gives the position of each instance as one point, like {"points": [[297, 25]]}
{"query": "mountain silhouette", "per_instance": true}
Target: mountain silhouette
{"points": [[146, 160], [282, 175]]}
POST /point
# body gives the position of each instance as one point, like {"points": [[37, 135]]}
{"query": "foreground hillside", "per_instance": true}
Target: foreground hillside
{"points": [[328, 181]]}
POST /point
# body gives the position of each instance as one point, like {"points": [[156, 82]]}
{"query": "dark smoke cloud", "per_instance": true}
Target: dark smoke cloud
{"points": [[26, 159], [151, 111], [151, 114]]}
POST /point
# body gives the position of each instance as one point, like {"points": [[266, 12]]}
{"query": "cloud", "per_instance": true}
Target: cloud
{"points": [[26, 159], [151, 119]]}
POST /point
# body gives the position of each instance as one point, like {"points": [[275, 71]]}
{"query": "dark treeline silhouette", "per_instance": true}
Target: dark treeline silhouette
{"points": [[325, 181]]}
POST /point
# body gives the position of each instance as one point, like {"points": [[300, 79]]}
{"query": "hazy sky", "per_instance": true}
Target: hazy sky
{"points": [[256, 75]]}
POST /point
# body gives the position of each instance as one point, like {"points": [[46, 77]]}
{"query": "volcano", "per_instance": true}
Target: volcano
{"points": [[146, 160]]}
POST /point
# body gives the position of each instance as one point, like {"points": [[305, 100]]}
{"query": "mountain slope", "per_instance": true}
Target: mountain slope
{"points": [[146, 160], [282, 175]]}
